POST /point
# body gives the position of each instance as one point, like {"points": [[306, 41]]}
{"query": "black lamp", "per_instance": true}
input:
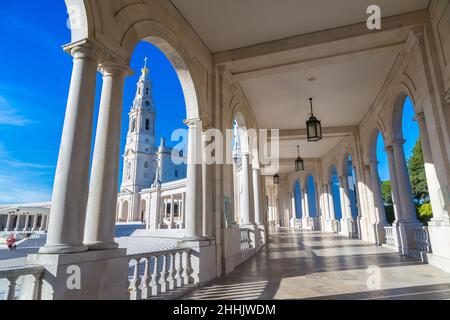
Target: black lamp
{"points": [[276, 179], [313, 126], [299, 163]]}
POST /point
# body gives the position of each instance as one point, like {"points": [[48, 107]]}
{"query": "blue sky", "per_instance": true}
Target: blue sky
{"points": [[34, 82], [410, 130]]}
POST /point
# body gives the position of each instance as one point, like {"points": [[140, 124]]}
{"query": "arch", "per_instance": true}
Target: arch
{"points": [[312, 194], [298, 200], [335, 192], [124, 211], [165, 40], [81, 19], [143, 208]]}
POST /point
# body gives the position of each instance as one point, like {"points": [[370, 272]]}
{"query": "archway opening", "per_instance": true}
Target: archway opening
{"points": [[351, 180], [384, 178], [335, 192], [311, 190], [408, 131], [298, 200], [155, 136]]}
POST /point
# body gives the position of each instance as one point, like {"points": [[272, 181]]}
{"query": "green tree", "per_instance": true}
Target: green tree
{"points": [[417, 176], [386, 192]]}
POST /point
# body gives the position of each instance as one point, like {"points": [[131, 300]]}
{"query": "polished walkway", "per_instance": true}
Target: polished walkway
{"points": [[314, 265]]}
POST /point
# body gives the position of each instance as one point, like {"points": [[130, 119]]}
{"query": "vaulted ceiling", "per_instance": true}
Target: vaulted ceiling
{"points": [[284, 51]]}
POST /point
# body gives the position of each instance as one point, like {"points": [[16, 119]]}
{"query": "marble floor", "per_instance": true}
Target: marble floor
{"points": [[313, 265]]}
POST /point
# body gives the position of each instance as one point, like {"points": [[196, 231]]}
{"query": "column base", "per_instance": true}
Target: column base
{"points": [[96, 245], [92, 275], [330, 226], [62, 249], [347, 227]]}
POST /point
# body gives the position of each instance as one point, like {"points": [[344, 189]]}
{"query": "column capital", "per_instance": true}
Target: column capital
{"points": [[84, 51], [398, 142], [114, 67], [193, 122]]}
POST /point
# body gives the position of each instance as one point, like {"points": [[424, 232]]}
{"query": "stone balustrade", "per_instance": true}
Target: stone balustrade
{"points": [[422, 239], [389, 235], [245, 239], [13, 275], [159, 272]]}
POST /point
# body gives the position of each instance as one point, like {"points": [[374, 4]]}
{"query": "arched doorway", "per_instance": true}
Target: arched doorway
{"points": [[298, 200], [124, 211], [311, 190], [335, 193]]}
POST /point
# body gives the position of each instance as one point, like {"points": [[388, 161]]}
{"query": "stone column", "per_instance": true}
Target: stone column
{"points": [[346, 199], [27, 220], [245, 199], [394, 187], [305, 197], [183, 200], [257, 194], [16, 228], [437, 200], [331, 202], [380, 214], [332, 215], [8, 222], [35, 220], [70, 190], [102, 202], [342, 199], [404, 184], [43, 222], [194, 201], [172, 203]]}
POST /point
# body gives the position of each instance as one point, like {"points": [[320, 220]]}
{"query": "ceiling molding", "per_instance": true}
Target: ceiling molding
{"points": [[320, 37]]}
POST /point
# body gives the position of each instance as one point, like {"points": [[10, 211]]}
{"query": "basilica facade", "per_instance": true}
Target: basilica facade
{"points": [[145, 165]]}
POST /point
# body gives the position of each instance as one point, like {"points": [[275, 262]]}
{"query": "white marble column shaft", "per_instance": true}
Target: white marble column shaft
{"points": [[102, 202], [257, 195], [70, 190], [194, 192]]}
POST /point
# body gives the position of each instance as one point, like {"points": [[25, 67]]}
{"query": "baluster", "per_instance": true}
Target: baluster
{"points": [[146, 291], [37, 286], [135, 290], [187, 268], [179, 270], [163, 275], [11, 290], [171, 275], [154, 283]]}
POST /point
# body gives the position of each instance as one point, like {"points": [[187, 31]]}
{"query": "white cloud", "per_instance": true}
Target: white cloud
{"points": [[25, 194], [18, 183], [10, 115]]}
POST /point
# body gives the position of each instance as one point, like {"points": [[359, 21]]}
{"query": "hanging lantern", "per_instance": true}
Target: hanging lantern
{"points": [[276, 179], [299, 163], [313, 126]]}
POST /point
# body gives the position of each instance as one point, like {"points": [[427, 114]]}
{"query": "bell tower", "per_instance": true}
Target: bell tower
{"points": [[139, 159]]}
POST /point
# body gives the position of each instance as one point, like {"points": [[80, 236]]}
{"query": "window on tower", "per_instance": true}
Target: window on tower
{"points": [[147, 124], [146, 165], [147, 91], [133, 125]]}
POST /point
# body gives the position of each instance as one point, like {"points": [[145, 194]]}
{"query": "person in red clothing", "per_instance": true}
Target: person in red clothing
{"points": [[11, 242]]}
